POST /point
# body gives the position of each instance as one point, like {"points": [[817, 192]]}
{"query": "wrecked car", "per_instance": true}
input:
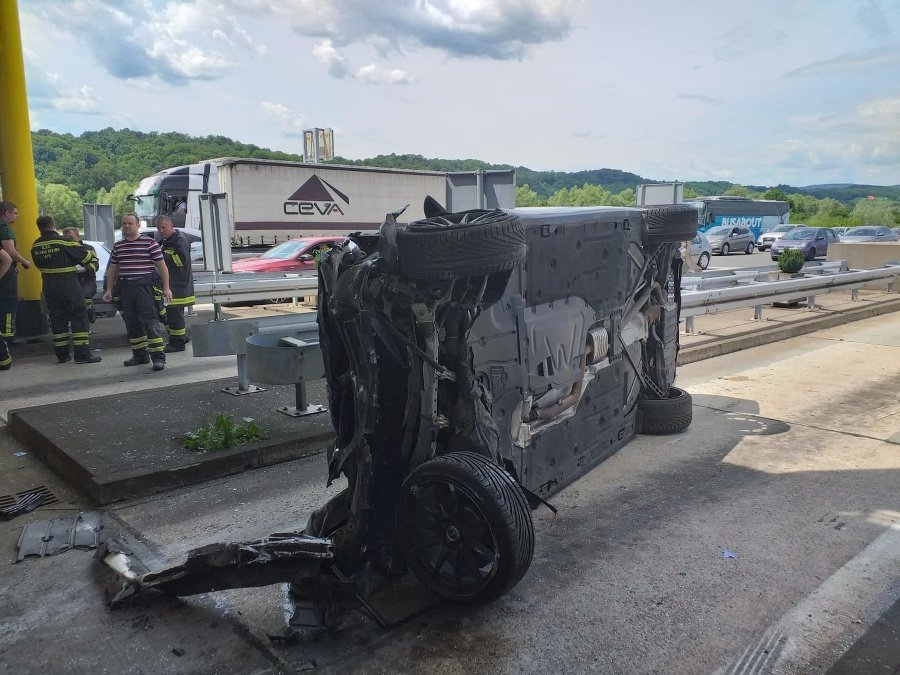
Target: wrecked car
{"points": [[476, 363]]}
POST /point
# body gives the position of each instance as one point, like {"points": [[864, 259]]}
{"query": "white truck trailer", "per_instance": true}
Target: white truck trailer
{"points": [[270, 201]]}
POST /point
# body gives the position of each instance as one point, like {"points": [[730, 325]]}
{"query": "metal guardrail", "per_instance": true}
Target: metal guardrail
{"points": [[756, 295], [245, 288]]}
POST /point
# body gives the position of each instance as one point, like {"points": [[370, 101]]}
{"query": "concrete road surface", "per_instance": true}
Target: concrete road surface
{"points": [[766, 538]]}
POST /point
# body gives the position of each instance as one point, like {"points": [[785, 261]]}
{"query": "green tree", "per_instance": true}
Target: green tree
{"points": [[525, 196], [117, 197], [63, 204], [874, 212], [775, 193], [737, 191]]}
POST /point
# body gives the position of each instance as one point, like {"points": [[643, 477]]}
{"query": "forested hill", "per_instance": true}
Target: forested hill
{"points": [[98, 160]]}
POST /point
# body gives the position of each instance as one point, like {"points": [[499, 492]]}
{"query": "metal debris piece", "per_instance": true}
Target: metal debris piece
{"points": [[291, 556], [49, 537], [25, 501]]}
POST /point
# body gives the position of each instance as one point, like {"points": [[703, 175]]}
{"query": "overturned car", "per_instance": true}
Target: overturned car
{"points": [[477, 363]]}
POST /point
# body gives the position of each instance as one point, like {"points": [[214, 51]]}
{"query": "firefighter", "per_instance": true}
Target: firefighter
{"points": [[59, 260], [177, 255], [87, 278]]}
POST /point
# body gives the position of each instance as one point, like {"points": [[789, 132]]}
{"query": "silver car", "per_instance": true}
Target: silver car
{"points": [[766, 239], [725, 239], [867, 233]]}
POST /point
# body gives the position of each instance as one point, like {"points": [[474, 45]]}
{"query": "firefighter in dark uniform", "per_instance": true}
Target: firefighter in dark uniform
{"points": [[59, 260], [177, 256], [88, 277]]}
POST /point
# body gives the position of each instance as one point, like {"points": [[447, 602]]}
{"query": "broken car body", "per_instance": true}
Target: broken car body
{"points": [[477, 363]]}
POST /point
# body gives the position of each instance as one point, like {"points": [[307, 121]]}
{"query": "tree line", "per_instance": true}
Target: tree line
{"points": [[104, 167]]}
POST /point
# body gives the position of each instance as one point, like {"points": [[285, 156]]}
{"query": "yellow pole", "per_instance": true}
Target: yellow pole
{"points": [[17, 166]]}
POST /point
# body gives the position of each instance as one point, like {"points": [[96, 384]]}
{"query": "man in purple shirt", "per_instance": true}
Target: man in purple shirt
{"points": [[136, 269]]}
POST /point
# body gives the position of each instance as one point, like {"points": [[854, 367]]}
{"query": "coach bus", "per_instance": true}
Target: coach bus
{"points": [[760, 215]]}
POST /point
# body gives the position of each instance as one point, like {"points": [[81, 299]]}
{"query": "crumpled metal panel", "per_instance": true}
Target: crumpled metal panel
{"points": [[49, 537]]}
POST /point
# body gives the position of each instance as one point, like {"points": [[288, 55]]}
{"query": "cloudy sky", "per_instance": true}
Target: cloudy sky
{"points": [[774, 91]]}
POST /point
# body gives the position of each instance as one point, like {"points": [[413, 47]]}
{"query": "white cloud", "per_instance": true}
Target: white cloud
{"points": [[290, 123], [325, 52], [81, 100], [376, 75]]}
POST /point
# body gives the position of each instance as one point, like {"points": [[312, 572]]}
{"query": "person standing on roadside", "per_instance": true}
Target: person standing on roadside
{"points": [[9, 286], [177, 255], [135, 267], [59, 259], [87, 276]]}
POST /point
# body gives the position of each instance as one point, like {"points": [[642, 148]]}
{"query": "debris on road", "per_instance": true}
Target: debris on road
{"points": [[49, 537]]}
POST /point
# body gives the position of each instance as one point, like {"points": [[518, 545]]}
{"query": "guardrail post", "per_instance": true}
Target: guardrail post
{"points": [[757, 312], [854, 294], [689, 325], [302, 408], [811, 302], [244, 386]]}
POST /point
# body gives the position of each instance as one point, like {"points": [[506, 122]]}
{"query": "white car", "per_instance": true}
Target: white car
{"points": [[766, 239]]}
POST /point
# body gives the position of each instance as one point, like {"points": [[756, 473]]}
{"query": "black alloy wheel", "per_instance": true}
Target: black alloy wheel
{"points": [[464, 527]]}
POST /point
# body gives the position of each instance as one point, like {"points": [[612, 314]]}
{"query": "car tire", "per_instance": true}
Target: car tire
{"points": [[466, 244], [725, 249], [657, 417], [703, 260], [812, 254], [760, 248], [464, 527], [670, 224], [749, 250]]}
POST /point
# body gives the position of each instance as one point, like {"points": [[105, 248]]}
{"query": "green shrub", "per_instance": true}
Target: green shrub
{"points": [[221, 434], [790, 260]]}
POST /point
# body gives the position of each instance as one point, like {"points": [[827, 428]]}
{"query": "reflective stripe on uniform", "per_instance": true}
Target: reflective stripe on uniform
{"points": [[81, 338], [155, 345], [183, 302], [57, 270], [6, 325]]}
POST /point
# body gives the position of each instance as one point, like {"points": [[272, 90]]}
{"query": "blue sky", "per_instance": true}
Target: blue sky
{"points": [[788, 91]]}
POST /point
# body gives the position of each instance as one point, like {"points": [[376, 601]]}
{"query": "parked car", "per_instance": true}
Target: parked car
{"points": [[700, 251], [293, 255], [896, 230], [766, 239], [725, 239], [811, 241], [868, 233], [841, 231]]}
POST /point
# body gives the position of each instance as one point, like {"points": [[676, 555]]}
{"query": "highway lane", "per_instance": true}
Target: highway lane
{"points": [[763, 539]]}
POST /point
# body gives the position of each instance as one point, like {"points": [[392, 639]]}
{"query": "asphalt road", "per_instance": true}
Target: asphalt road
{"points": [[766, 538]]}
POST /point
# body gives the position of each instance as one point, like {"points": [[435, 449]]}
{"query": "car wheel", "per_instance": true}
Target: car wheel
{"points": [[667, 415], [760, 248], [703, 260], [670, 224], [465, 244], [464, 527], [812, 254], [749, 250], [725, 249]]}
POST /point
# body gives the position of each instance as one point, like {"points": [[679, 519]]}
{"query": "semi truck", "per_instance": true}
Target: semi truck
{"points": [[270, 201]]}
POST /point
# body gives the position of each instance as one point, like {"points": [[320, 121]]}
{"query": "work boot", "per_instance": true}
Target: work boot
{"points": [[173, 347], [159, 364], [137, 360], [63, 357], [84, 355]]}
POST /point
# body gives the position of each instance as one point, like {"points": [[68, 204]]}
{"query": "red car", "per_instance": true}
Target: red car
{"points": [[294, 255]]}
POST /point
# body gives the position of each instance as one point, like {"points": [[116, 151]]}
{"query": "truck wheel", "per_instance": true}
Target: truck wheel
{"points": [[466, 244], [464, 527], [670, 224], [658, 417]]}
